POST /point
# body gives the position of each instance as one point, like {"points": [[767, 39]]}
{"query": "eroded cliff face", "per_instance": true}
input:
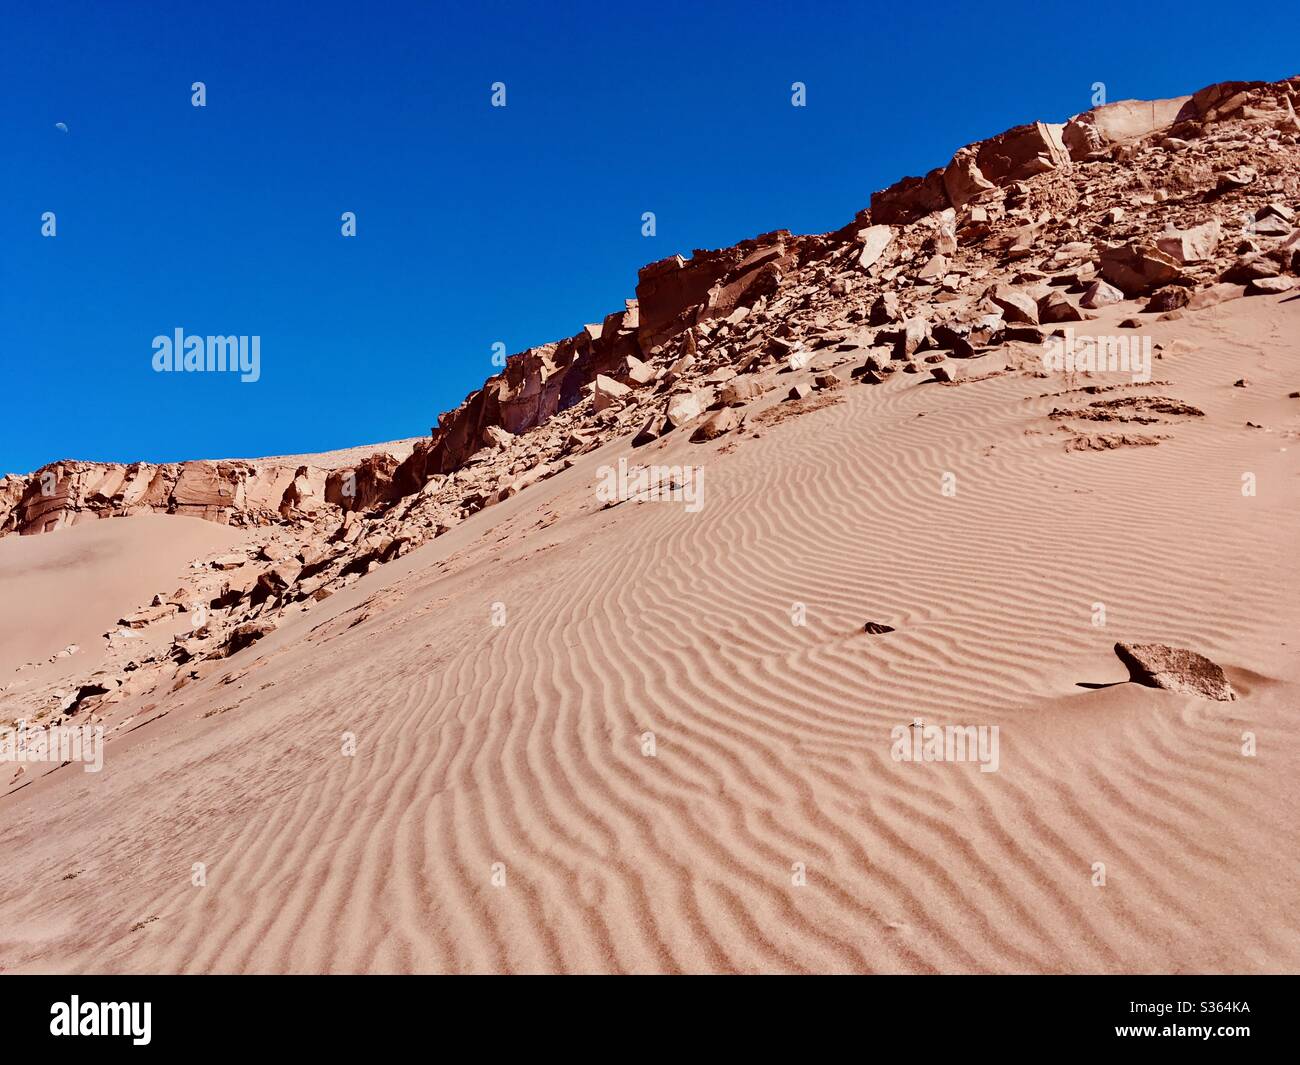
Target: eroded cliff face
{"points": [[680, 303], [675, 296], [68, 492], [1160, 209]]}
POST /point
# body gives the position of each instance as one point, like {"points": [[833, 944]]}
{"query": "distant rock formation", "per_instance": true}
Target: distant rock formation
{"points": [[684, 305]]}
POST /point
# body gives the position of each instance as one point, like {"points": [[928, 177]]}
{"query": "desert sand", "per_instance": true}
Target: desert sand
{"points": [[520, 744], [534, 730], [66, 590]]}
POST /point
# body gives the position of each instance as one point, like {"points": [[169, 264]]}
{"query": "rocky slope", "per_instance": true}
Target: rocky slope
{"points": [[963, 273]]}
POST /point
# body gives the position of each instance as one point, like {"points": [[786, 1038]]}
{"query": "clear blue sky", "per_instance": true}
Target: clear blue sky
{"points": [[475, 224]]}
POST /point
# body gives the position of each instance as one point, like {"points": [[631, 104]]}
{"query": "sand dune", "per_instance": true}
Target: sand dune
{"points": [[500, 812], [70, 589]]}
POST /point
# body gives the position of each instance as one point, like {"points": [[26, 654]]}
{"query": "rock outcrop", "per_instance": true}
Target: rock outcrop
{"points": [[941, 283], [1175, 669]]}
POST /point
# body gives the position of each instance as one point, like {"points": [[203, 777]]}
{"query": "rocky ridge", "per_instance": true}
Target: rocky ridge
{"points": [[963, 273]]}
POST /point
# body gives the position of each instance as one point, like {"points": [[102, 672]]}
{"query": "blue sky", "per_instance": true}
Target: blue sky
{"points": [[474, 224]]}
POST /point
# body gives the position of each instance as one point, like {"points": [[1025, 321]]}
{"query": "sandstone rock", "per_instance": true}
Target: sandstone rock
{"points": [[637, 372], [1055, 307], [875, 239], [277, 579], [799, 392], [1239, 178], [496, 437], [912, 337], [681, 366], [654, 427], [909, 199], [1022, 152], [878, 358], [1167, 299], [1136, 269], [1124, 120], [964, 369], [1269, 286], [936, 267], [962, 179], [683, 407], [246, 635], [675, 294], [1251, 268], [1016, 306], [1100, 294], [885, 309], [1191, 245], [740, 391], [960, 339], [1175, 669], [371, 482], [147, 616], [305, 494], [1213, 295], [717, 424], [1270, 227], [209, 490], [608, 393]]}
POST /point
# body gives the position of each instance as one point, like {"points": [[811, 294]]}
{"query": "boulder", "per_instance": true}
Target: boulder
{"points": [[608, 393], [1018, 307], [962, 179], [717, 424], [147, 616], [496, 437], [1175, 669], [1171, 298], [740, 391], [1214, 295], [1269, 286], [1095, 130], [246, 634], [654, 427], [1191, 245], [1100, 294], [909, 199], [1021, 153], [684, 407], [1055, 307], [875, 239], [636, 372], [1136, 269], [964, 369]]}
